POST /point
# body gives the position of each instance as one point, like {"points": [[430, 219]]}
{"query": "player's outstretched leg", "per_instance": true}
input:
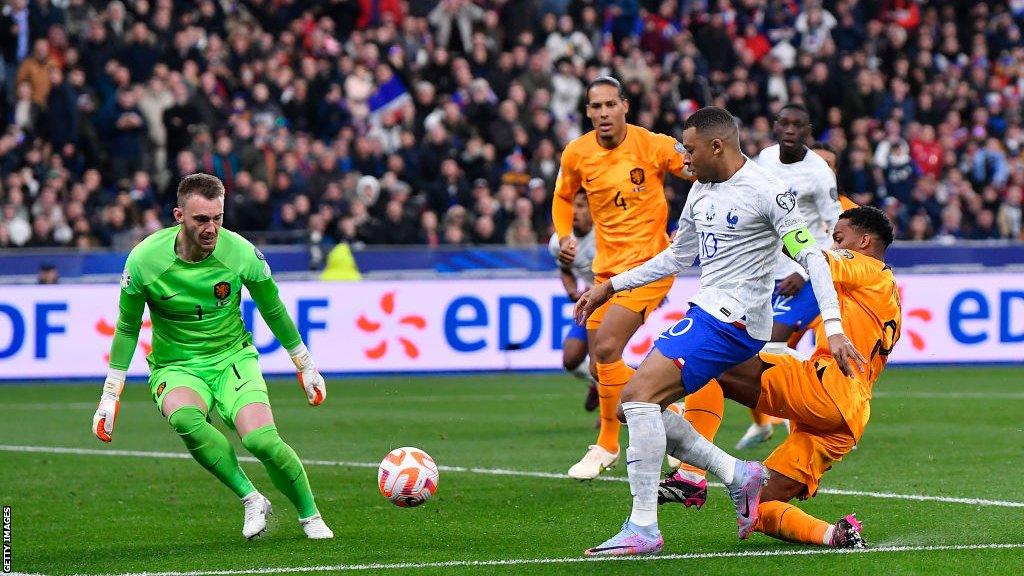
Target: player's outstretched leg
{"points": [[286, 472], [640, 534], [703, 409], [787, 522], [744, 480]]}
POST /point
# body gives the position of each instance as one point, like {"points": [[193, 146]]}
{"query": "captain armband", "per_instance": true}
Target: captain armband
{"points": [[797, 241]]}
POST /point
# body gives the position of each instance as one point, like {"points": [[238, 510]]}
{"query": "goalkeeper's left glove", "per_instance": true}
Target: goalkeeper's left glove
{"points": [[309, 377]]}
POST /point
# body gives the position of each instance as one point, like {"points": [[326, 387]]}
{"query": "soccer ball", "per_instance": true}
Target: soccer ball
{"points": [[407, 477]]}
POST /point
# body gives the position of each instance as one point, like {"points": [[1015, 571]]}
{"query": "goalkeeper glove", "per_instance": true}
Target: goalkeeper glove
{"points": [[309, 377], [110, 403]]}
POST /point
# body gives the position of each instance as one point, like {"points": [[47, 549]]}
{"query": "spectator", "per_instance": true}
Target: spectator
{"points": [[61, 111], [124, 127], [1010, 217], [48, 274], [454, 20], [36, 71], [26, 112]]}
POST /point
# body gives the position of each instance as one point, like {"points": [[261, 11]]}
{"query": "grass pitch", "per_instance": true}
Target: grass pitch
{"points": [[954, 433]]}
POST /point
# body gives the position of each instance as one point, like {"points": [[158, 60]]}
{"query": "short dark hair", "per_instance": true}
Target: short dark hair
{"points": [[206, 185], [797, 107], [711, 118], [822, 145], [871, 220], [606, 81]]}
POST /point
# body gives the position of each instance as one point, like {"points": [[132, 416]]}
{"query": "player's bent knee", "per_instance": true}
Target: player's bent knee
{"points": [[186, 420], [181, 397], [606, 350], [263, 443]]}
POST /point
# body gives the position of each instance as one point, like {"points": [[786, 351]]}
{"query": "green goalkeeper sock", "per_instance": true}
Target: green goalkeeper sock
{"points": [[210, 448], [283, 466]]}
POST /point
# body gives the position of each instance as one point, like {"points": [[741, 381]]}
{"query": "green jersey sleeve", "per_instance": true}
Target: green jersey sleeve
{"points": [[129, 317], [268, 301]]}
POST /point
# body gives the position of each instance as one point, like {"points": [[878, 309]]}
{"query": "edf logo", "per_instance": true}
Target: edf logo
{"points": [[43, 327], [971, 317]]}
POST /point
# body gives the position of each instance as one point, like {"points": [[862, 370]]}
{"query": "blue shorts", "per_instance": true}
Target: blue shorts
{"points": [[577, 332], [704, 347], [797, 311]]}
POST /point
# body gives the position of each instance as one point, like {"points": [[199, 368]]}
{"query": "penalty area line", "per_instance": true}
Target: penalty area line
{"points": [[579, 560], [500, 472]]}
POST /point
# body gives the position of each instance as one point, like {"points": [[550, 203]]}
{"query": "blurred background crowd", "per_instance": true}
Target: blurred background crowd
{"points": [[440, 122]]}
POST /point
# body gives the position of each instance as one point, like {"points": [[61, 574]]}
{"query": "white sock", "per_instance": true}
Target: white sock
{"points": [[686, 444], [827, 540], [643, 459], [582, 371]]}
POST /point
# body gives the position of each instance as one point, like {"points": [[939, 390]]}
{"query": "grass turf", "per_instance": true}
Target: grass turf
{"points": [[948, 432]]}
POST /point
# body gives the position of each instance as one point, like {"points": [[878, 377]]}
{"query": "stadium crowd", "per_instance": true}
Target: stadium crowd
{"points": [[440, 122]]}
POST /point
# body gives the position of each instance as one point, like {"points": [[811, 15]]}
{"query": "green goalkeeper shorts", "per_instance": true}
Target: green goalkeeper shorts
{"points": [[227, 386]]}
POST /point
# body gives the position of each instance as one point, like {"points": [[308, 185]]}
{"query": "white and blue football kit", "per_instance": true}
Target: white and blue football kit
{"points": [[817, 197], [582, 267], [735, 228]]}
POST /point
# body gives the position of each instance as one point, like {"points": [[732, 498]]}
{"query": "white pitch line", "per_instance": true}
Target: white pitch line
{"points": [[490, 398], [501, 472], [579, 560], [950, 395]]}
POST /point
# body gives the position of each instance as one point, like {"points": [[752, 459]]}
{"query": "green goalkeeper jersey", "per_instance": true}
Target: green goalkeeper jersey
{"points": [[195, 306]]}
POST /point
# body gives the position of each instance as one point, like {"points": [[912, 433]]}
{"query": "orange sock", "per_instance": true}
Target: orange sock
{"points": [[611, 378], [759, 418], [704, 409], [787, 522]]}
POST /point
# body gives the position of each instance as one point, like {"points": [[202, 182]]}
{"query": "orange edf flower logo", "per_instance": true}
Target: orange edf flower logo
{"points": [[387, 306], [107, 329], [922, 314]]}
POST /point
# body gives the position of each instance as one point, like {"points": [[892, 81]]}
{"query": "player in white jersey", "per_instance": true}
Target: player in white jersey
{"points": [[577, 278], [734, 217], [813, 183]]}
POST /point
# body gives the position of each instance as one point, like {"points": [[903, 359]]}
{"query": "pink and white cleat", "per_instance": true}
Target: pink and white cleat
{"points": [[745, 491], [632, 540], [676, 487], [846, 533]]}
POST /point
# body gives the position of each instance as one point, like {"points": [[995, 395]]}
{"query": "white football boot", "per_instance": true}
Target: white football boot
{"points": [[755, 435], [595, 461], [257, 508], [315, 528]]}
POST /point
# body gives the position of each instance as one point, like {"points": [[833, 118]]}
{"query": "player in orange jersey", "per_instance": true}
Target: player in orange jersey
{"points": [[828, 411], [622, 169]]}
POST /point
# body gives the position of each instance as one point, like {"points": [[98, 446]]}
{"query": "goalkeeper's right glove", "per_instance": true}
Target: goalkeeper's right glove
{"points": [[110, 403]]}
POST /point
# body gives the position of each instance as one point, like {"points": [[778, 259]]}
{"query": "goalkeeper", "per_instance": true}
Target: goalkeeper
{"points": [[190, 276]]}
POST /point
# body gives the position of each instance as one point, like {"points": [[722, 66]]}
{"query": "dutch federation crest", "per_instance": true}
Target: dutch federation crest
{"points": [[636, 176], [221, 290]]}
